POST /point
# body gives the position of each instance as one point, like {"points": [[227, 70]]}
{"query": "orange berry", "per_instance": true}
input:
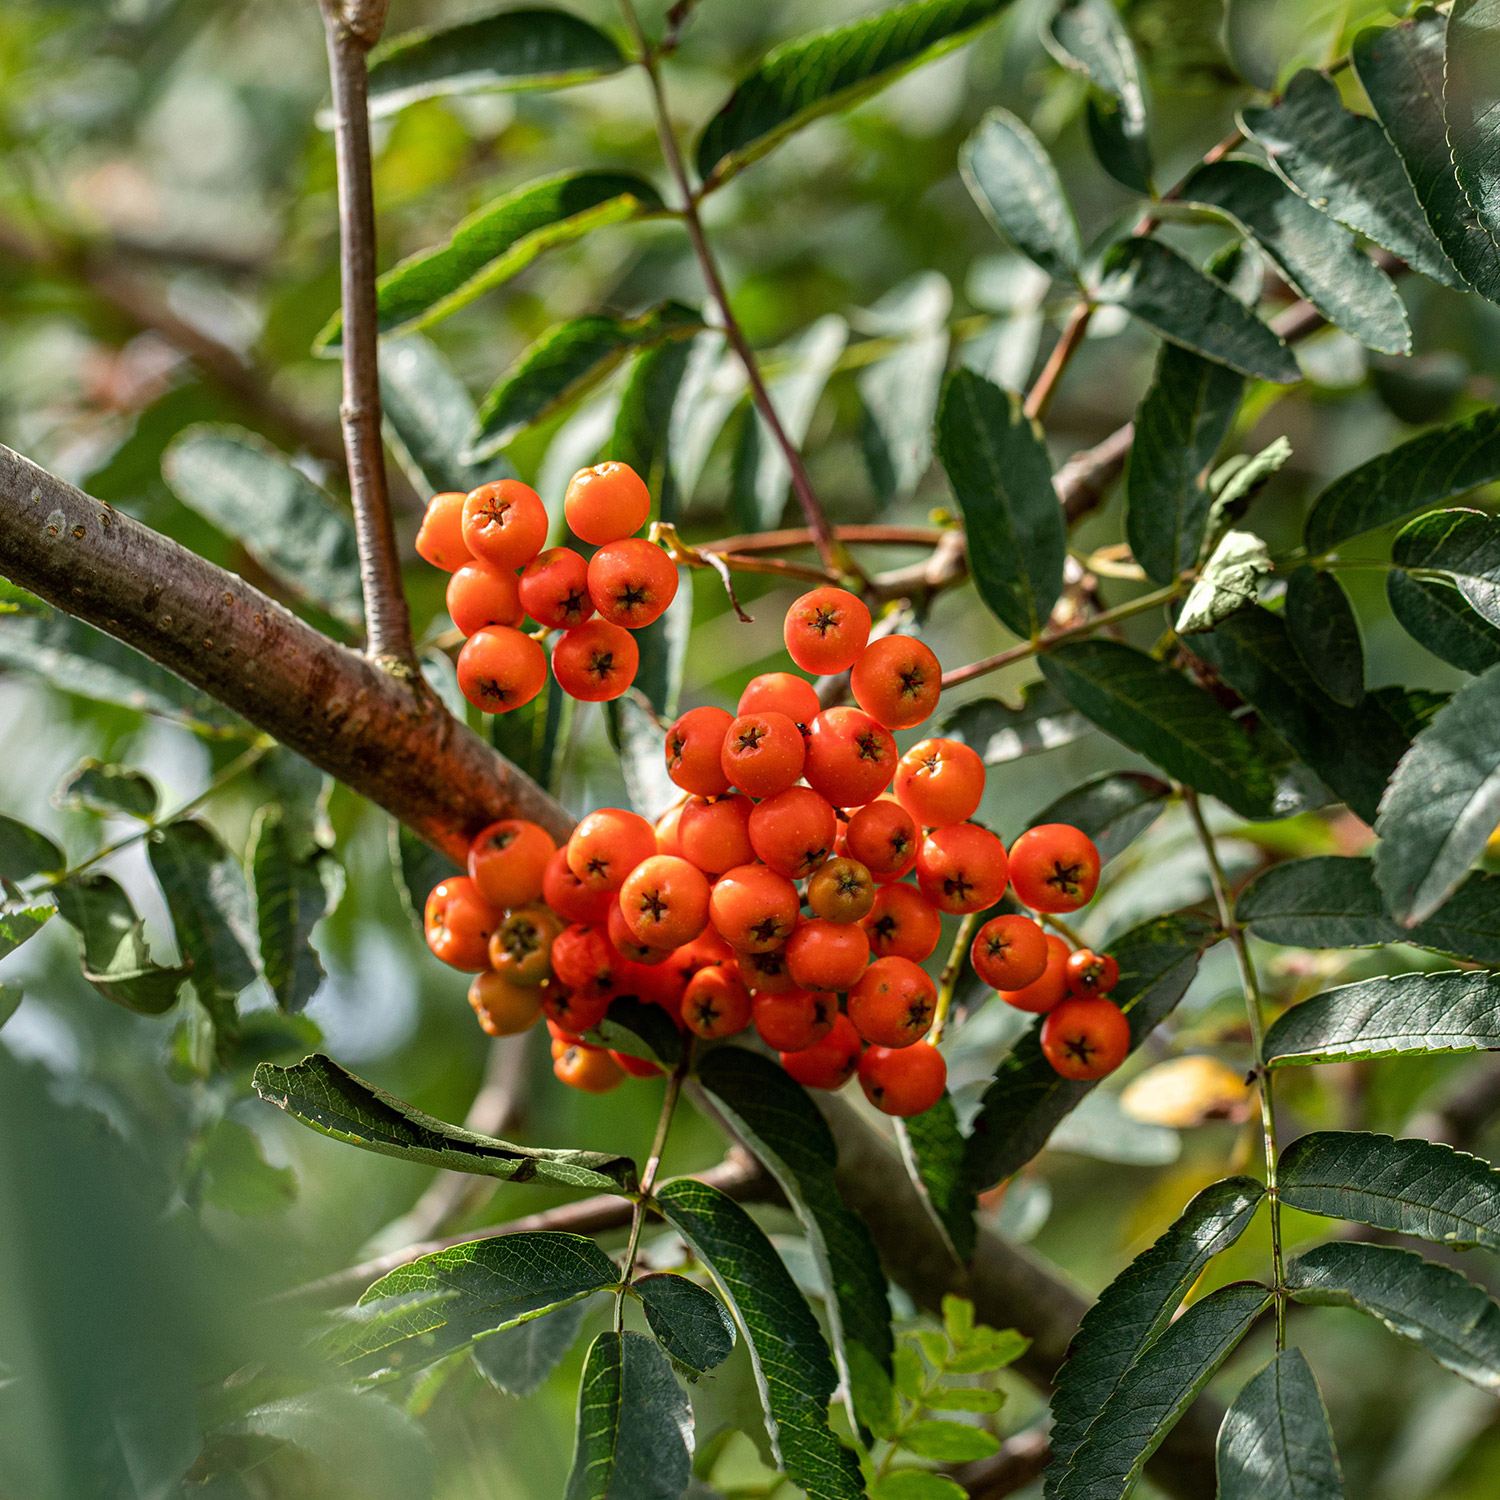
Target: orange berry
{"points": [[1049, 988], [575, 1011], [508, 861], [569, 897], [762, 754], [894, 1003], [793, 831], [693, 748], [826, 630], [632, 582], [940, 782], [1085, 1039], [1056, 868], [897, 681], [458, 922], [823, 955], [1091, 973], [850, 758], [440, 538], [883, 837], [628, 945], [753, 908], [500, 669], [595, 661], [765, 973], [554, 589], [715, 833], [606, 503], [961, 868], [796, 1019], [479, 595], [521, 946], [607, 845], [903, 1081], [588, 1068], [503, 1007], [665, 901], [828, 1064], [716, 1003], [667, 839], [841, 891], [903, 923], [1009, 952], [781, 693], [505, 523]]}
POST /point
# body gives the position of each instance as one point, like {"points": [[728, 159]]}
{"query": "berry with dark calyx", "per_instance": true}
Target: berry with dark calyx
{"points": [[521, 946], [753, 908], [1085, 1038], [479, 595], [793, 1020], [508, 861], [762, 754], [569, 897], [503, 1007], [841, 890], [607, 845], [894, 1003], [458, 922], [1056, 868], [850, 758], [694, 745], [574, 1011], [440, 538], [628, 945], [702, 953], [781, 693], [884, 838], [903, 923], [1009, 952], [1091, 973], [632, 582], [665, 901], [554, 589], [962, 868], [897, 681], [826, 630], [793, 832], [714, 834], [606, 503], [765, 973], [596, 661], [582, 957], [903, 1081], [500, 669], [823, 955], [1050, 988], [716, 1003], [504, 523], [590, 1069], [940, 782], [828, 1064]]}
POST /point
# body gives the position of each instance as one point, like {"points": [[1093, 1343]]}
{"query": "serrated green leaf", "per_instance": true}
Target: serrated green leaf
{"points": [[1435, 615], [917, 1484], [1113, 809], [1463, 548], [999, 732], [1157, 1389], [642, 435], [1442, 804], [987, 1349], [1027, 1097], [999, 469], [332, 1101], [1235, 483], [793, 1369], [1089, 36], [637, 740], [1229, 582], [1439, 1310], [24, 852], [1012, 179], [528, 47], [811, 76], [1411, 1014], [932, 1146], [1324, 632], [518, 1360], [565, 362], [692, 1325], [421, 1312], [1276, 1443], [948, 1442], [1411, 1187], [639, 1029], [17, 925], [296, 883], [109, 790], [1471, 106], [1346, 167], [112, 938], [966, 1398], [1137, 1305], [958, 1318], [910, 1376], [872, 1393], [238, 1178], [1173, 298]]}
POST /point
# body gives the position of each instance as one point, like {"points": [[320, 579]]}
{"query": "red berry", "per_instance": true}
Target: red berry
{"points": [[1085, 1038], [667, 839], [1056, 868], [903, 923], [590, 1069], [823, 955], [828, 1064], [569, 897], [554, 589], [716, 1003], [505, 523], [793, 831], [479, 595], [635, 1067], [508, 861], [897, 681], [606, 503], [1091, 973], [1009, 952], [826, 630], [754, 908], [781, 693], [440, 539], [940, 782], [504, 1008], [607, 845], [962, 868], [595, 661], [903, 1081], [665, 901], [850, 758], [500, 669], [693, 747], [883, 837], [1049, 988], [794, 1020], [894, 1003], [765, 973], [762, 754], [715, 835], [630, 948], [632, 582], [458, 923]]}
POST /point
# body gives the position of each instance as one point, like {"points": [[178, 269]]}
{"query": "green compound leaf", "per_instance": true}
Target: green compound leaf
{"points": [[1137, 1305], [1411, 1187], [518, 1360], [1401, 68], [1276, 1442], [1471, 106], [1114, 809], [1156, 1390], [332, 1101], [1173, 298], [1439, 1310], [529, 47], [565, 362], [296, 883], [1409, 1015], [1012, 179], [1435, 615], [999, 732], [1324, 632], [948, 1442], [1435, 467], [692, 1325], [797, 82], [793, 1370], [1316, 255], [421, 1312], [1027, 1097], [998, 466], [1089, 37], [932, 1146], [917, 1484], [108, 790], [19, 924], [1442, 804], [116, 958], [24, 852], [1463, 547]]}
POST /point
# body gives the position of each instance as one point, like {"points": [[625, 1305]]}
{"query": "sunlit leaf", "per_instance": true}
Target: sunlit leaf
{"points": [[1229, 582], [19, 924], [1471, 105], [1276, 1443]]}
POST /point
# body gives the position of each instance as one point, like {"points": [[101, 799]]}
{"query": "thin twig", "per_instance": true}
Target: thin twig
{"points": [[951, 970], [1039, 397]]}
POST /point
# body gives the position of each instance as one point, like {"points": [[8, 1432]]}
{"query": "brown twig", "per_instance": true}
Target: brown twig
{"points": [[1075, 330]]}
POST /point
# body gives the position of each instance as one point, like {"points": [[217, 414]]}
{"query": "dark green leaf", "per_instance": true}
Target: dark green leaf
{"points": [[633, 1424], [1439, 1310], [1344, 165], [1276, 1443], [1157, 1389], [109, 790], [332, 1101], [1317, 256], [792, 1366], [1156, 711], [1173, 298], [1401, 68], [116, 959], [1137, 1305], [519, 1359], [1113, 809], [238, 1178], [830, 70], [1229, 582], [1089, 36], [10, 1000], [24, 852], [643, 426], [1412, 708], [1012, 179], [692, 1324], [1321, 626], [1443, 803], [564, 363], [417, 867], [948, 1442], [933, 1147], [999, 469], [1437, 616], [1411, 1187], [1437, 466], [1471, 106], [529, 47], [1044, 720], [421, 1312], [637, 739], [296, 884], [899, 393], [639, 1029], [1411, 1014], [1028, 1097], [1178, 430], [17, 924], [1463, 547]]}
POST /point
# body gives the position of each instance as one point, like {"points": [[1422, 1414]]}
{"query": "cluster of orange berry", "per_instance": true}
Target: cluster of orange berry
{"points": [[491, 541]]}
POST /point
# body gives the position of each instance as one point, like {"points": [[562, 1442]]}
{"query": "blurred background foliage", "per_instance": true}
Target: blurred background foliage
{"points": [[162, 176]]}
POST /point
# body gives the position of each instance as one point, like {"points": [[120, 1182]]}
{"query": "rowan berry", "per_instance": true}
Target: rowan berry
{"points": [[479, 595], [458, 923], [582, 957], [1056, 868], [521, 946], [607, 845], [630, 948], [503, 1007], [781, 693], [762, 754], [1009, 952], [554, 589], [693, 748], [505, 523], [657, 984], [500, 669], [508, 861], [569, 897], [793, 831], [632, 582], [668, 839], [635, 1067], [559, 1033], [826, 630], [903, 1081], [1049, 988], [595, 661], [897, 681], [716, 1003], [850, 758], [940, 782], [903, 923], [883, 837], [440, 538], [765, 973], [574, 1011], [894, 1003], [665, 901], [822, 955], [828, 1064], [961, 868], [1086, 1038], [1091, 973], [702, 953], [606, 503], [590, 1069], [841, 890], [715, 833], [793, 1020], [753, 908]]}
